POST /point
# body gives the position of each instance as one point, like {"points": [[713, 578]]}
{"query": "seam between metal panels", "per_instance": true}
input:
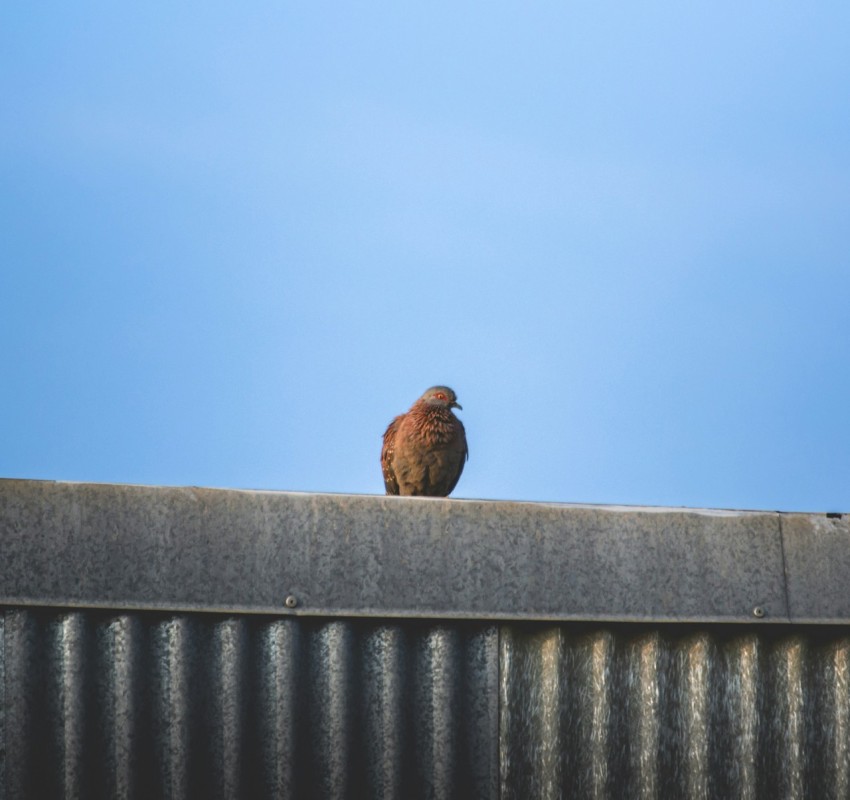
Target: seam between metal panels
{"points": [[499, 732], [4, 706], [788, 613]]}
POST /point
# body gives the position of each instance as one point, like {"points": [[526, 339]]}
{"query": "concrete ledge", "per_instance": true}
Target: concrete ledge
{"points": [[134, 547]]}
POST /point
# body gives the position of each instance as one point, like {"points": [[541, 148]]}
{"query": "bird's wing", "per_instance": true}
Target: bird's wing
{"points": [[390, 481], [464, 457]]}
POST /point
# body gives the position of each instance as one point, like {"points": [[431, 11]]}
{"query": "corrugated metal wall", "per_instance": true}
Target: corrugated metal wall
{"points": [[143, 705], [149, 705], [674, 712]]}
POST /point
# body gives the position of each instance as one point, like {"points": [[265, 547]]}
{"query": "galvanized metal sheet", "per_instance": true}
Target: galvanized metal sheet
{"points": [[183, 548], [674, 712], [817, 555], [147, 705], [121, 705]]}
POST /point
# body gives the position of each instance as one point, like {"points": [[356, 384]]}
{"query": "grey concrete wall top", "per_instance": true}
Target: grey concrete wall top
{"points": [[113, 546]]}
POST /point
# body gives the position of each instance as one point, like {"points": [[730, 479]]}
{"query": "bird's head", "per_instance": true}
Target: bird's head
{"points": [[440, 396]]}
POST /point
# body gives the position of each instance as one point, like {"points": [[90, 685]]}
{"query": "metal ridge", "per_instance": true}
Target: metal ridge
{"points": [[197, 549]]}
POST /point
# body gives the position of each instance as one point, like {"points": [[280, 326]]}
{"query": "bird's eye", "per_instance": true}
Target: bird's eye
{"points": [[440, 396]]}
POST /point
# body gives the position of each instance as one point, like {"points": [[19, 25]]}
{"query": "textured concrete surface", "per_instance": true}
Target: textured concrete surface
{"points": [[131, 547]]}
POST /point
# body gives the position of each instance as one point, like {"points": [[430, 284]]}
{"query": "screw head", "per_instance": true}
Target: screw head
{"points": [[758, 611], [291, 601]]}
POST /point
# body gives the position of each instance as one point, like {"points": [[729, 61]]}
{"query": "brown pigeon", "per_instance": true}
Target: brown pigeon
{"points": [[424, 449]]}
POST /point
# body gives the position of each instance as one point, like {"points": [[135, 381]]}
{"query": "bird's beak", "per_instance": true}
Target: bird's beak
{"points": [[457, 405]]}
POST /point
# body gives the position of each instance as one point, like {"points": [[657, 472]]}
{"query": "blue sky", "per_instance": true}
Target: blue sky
{"points": [[238, 239]]}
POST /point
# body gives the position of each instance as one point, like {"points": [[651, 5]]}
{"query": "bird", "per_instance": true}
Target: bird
{"points": [[424, 450]]}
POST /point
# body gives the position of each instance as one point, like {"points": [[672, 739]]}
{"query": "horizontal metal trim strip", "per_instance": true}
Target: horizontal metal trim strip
{"points": [[389, 613], [164, 548]]}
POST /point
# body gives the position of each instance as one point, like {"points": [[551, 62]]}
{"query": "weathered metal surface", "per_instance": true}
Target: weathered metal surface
{"points": [[150, 705], [628, 690], [145, 705], [674, 712], [817, 553], [201, 549]]}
